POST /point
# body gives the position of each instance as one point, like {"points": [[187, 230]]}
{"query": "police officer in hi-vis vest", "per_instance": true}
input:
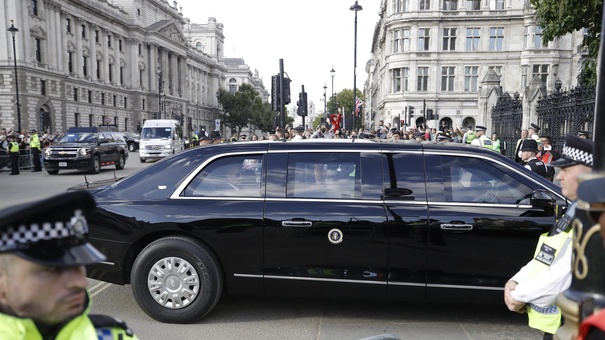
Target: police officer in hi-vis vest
{"points": [[13, 151], [481, 139], [34, 146], [534, 288], [43, 251]]}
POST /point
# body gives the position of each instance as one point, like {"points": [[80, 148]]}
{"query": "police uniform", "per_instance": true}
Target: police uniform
{"points": [[34, 146], [13, 151], [549, 272], [534, 136], [482, 140], [52, 233], [533, 163]]}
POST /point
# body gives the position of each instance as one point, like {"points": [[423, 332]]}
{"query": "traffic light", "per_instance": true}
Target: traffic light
{"points": [[302, 104], [275, 102], [287, 99], [411, 111], [430, 114]]}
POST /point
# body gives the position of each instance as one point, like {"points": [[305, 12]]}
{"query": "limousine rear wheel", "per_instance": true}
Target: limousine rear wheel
{"points": [[176, 280]]}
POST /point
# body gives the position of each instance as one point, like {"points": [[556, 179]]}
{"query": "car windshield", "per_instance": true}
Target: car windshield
{"points": [[156, 132], [84, 137]]}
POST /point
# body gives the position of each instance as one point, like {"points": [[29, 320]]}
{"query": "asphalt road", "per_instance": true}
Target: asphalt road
{"points": [[237, 317]]}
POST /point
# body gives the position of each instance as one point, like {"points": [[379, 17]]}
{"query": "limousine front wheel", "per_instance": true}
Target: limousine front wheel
{"points": [[176, 280]]}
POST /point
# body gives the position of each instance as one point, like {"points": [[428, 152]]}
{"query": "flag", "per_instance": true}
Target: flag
{"points": [[358, 104]]}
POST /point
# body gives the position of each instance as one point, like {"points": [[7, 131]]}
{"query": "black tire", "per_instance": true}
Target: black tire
{"points": [[142, 160], [96, 165], [131, 147], [52, 172], [121, 162], [204, 280]]}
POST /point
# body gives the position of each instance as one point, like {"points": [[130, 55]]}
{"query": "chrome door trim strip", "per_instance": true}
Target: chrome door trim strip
{"points": [[434, 285], [491, 205], [300, 278], [408, 284], [253, 276]]}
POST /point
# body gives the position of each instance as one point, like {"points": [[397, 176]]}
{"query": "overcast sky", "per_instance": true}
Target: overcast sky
{"points": [[310, 36]]}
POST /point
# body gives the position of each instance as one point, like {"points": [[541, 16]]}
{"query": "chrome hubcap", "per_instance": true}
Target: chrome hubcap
{"points": [[173, 283]]}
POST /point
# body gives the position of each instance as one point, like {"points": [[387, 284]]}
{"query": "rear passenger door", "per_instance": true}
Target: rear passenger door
{"points": [[324, 225], [404, 193], [109, 150], [482, 228]]}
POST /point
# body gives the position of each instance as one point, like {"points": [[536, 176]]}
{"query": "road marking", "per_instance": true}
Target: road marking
{"points": [[98, 288]]}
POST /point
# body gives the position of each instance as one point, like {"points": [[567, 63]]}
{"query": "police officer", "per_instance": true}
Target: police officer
{"points": [[534, 288], [34, 146], [529, 149], [43, 251], [13, 151], [481, 139], [469, 136], [533, 132]]}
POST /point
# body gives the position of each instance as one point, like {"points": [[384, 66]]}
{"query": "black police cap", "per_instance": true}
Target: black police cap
{"points": [[50, 232]]}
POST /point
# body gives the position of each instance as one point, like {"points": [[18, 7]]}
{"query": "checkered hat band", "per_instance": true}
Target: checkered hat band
{"points": [[577, 155], [16, 237]]}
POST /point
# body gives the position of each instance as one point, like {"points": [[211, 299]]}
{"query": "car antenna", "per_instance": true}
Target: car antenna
{"points": [[86, 182]]}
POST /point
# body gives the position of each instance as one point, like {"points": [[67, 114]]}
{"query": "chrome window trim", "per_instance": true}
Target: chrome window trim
{"points": [[408, 284], [487, 158], [176, 193], [476, 204]]}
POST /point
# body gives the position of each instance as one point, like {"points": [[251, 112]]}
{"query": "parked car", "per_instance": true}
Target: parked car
{"points": [[88, 149], [334, 218], [132, 139]]}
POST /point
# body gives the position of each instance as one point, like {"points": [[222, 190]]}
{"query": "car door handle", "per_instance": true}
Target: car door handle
{"points": [[457, 227], [296, 223]]}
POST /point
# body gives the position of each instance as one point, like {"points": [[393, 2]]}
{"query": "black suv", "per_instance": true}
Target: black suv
{"points": [[86, 148], [341, 218]]}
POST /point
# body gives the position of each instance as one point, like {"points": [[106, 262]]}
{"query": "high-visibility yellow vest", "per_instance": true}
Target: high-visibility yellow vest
{"points": [[470, 136], [549, 250], [486, 142], [14, 147], [34, 142]]}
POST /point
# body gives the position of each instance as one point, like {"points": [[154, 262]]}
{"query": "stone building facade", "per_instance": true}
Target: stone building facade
{"points": [[452, 55], [87, 63]]}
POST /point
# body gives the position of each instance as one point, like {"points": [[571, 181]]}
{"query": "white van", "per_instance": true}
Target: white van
{"points": [[160, 138]]}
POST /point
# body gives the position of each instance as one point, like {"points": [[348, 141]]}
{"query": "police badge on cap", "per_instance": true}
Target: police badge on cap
{"points": [[50, 232]]}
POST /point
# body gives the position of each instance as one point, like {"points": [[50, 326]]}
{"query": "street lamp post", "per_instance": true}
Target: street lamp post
{"points": [[14, 31], [159, 71], [325, 102], [356, 7], [332, 73]]}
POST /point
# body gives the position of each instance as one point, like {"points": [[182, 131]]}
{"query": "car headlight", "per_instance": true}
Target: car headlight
{"points": [[167, 147], [47, 152], [84, 151]]}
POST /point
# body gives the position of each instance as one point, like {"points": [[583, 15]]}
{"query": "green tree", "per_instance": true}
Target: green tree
{"points": [[345, 99], [559, 17], [241, 108]]}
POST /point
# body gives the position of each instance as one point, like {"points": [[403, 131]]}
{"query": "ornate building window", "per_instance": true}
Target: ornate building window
{"points": [[448, 78], [423, 79], [450, 5], [496, 38], [232, 85], [424, 39], [424, 5], [473, 36], [471, 75], [449, 39]]}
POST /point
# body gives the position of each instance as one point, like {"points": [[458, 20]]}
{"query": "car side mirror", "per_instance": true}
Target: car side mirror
{"points": [[541, 198]]}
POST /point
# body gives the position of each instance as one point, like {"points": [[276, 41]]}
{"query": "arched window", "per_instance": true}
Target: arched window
{"points": [[232, 85]]}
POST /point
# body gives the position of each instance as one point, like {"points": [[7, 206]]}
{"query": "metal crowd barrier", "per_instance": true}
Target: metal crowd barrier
{"points": [[26, 161]]}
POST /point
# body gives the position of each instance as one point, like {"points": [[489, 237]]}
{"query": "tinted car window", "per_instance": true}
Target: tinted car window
{"points": [[407, 174], [108, 136], [470, 179], [325, 175], [238, 176]]}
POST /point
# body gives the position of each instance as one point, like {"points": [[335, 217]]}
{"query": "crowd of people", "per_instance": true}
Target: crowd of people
{"points": [[14, 144]]}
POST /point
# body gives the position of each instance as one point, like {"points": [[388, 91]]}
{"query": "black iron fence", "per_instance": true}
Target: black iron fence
{"points": [[563, 112], [507, 120]]}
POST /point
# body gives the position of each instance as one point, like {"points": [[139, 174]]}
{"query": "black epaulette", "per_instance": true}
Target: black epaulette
{"points": [[105, 321]]}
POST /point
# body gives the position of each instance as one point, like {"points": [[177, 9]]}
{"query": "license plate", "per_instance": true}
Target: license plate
{"points": [[63, 164]]}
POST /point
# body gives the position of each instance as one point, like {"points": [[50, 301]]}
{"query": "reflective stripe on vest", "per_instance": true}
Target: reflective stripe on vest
{"points": [[550, 249], [486, 142], [14, 147]]}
